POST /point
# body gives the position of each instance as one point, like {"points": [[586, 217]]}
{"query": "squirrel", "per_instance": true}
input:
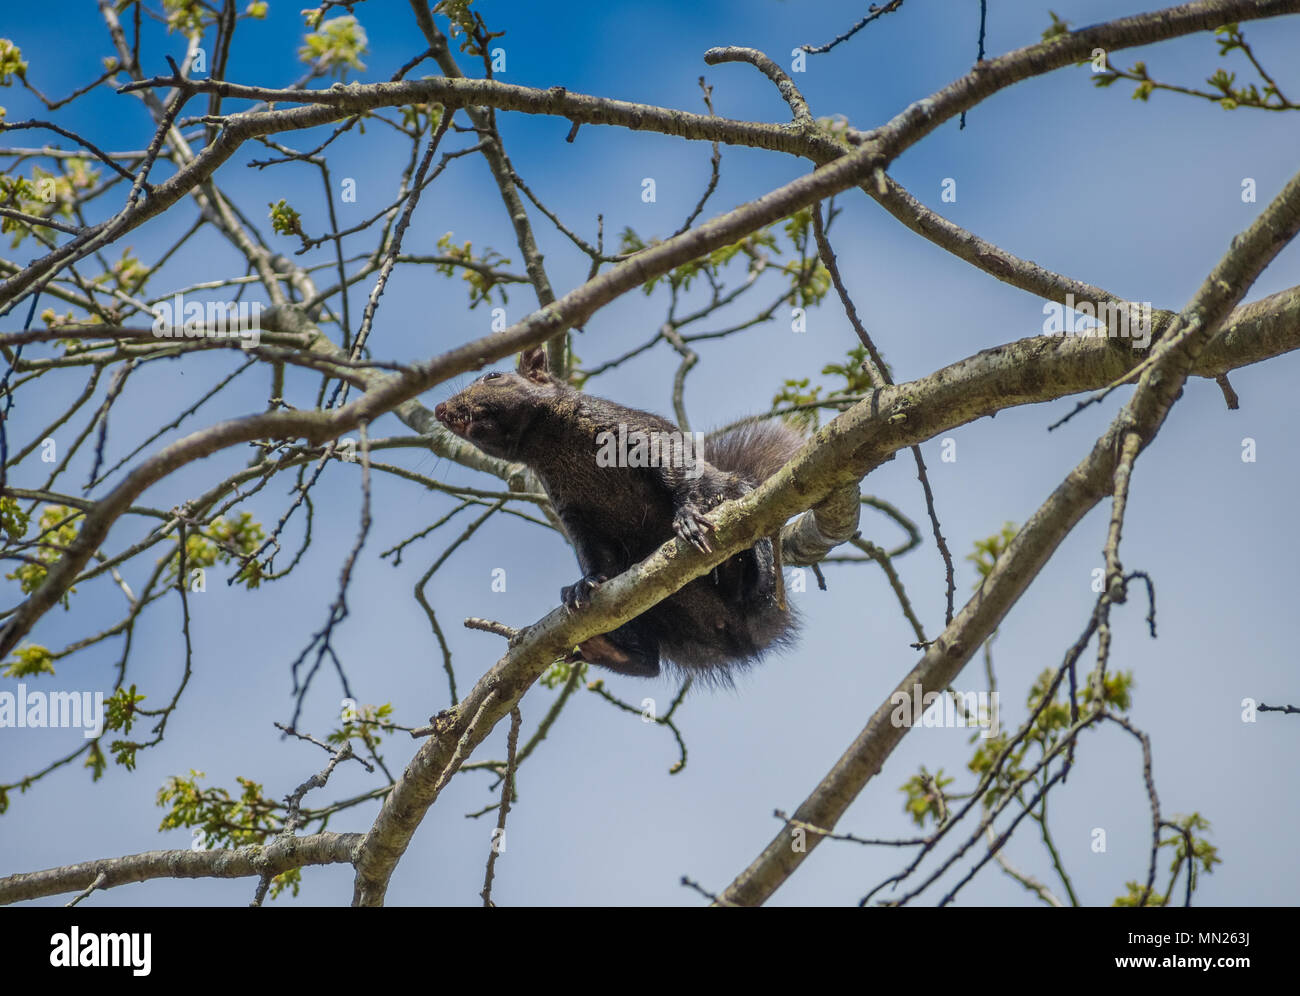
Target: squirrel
{"points": [[618, 508]]}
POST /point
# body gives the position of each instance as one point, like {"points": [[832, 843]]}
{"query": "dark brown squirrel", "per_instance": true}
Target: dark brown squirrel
{"points": [[618, 512]]}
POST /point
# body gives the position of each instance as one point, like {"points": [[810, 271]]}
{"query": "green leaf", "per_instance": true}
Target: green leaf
{"points": [[58, 530], [30, 660], [95, 761], [11, 63], [1057, 27], [337, 45], [119, 709], [284, 219], [13, 520]]}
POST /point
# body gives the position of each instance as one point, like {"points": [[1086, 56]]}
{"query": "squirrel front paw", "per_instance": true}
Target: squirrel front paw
{"points": [[692, 527], [576, 595]]}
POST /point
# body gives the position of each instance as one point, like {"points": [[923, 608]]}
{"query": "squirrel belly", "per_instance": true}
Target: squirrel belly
{"points": [[616, 515]]}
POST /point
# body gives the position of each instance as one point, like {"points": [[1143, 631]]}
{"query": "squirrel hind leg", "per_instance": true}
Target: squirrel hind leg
{"points": [[624, 652]]}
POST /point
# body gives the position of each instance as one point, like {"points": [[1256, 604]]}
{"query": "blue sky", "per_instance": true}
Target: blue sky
{"points": [[1140, 198]]}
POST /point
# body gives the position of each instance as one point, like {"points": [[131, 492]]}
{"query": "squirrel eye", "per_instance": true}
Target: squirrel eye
{"points": [[492, 376]]}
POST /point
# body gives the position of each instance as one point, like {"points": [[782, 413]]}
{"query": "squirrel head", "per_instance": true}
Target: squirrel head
{"points": [[496, 411]]}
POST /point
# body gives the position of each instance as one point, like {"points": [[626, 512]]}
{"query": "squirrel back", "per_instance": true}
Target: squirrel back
{"points": [[625, 481]]}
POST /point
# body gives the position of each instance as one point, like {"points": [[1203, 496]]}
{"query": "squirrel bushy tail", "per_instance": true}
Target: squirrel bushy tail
{"points": [[755, 450], [758, 618]]}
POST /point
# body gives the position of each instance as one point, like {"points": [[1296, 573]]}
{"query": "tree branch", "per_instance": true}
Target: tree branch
{"points": [[280, 856]]}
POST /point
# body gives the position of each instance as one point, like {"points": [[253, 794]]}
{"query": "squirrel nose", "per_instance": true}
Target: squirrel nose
{"points": [[440, 412]]}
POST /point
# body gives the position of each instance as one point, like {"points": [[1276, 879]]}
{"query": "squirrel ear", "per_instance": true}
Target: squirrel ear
{"points": [[532, 364]]}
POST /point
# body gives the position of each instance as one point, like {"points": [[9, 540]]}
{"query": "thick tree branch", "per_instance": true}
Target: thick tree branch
{"points": [[279, 856]]}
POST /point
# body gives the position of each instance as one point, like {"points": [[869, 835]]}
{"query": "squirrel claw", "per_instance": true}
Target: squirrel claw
{"points": [[692, 527], [576, 595]]}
